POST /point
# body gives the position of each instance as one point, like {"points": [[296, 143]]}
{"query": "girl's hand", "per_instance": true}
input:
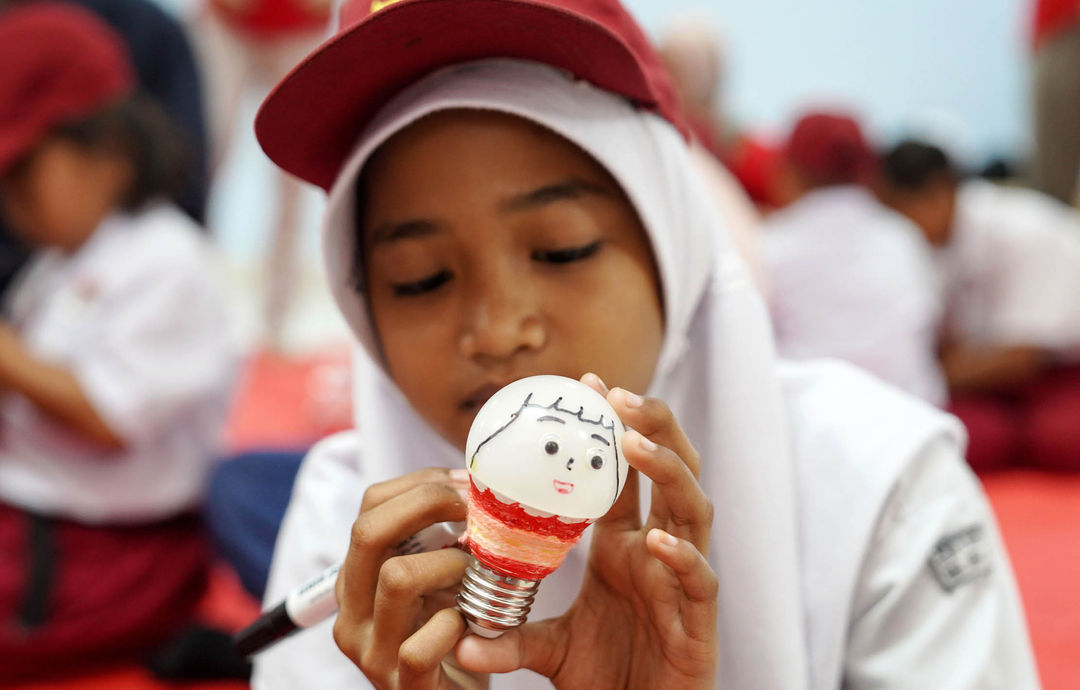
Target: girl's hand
{"points": [[646, 615], [396, 620]]}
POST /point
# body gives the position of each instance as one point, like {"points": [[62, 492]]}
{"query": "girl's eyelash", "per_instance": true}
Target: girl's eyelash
{"points": [[565, 256], [555, 256], [419, 287]]}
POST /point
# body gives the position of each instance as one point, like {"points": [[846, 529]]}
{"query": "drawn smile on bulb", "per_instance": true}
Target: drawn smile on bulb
{"points": [[562, 487]]}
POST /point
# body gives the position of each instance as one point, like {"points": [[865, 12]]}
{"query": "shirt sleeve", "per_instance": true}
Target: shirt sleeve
{"points": [[937, 605], [164, 344], [1036, 292], [313, 537]]}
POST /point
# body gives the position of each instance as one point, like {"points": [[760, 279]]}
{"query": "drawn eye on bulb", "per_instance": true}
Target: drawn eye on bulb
{"points": [[545, 460], [551, 444], [596, 459]]}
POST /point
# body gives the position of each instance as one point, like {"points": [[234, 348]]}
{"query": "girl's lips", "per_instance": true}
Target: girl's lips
{"points": [[562, 487], [478, 397]]}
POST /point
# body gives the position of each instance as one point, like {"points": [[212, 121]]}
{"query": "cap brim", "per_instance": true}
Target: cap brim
{"points": [[309, 122]]}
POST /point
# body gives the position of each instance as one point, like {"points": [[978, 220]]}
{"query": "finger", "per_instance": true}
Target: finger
{"points": [[654, 419], [626, 512], [377, 494], [698, 581], [683, 507], [596, 383], [420, 657], [404, 581], [537, 646], [376, 532]]}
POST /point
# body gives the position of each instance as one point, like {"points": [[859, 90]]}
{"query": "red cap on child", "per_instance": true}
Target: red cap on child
{"points": [[59, 63], [308, 124], [830, 148]]}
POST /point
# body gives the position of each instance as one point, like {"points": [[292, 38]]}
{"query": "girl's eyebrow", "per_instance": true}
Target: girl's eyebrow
{"points": [[573, 188], [392, 232]]}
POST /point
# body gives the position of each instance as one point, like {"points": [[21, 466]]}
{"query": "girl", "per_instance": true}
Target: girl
{"points": [[115, 358], [492, 218]]}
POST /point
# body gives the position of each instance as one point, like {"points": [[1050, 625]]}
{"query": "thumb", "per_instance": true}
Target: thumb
{"points": [[536, 646]]}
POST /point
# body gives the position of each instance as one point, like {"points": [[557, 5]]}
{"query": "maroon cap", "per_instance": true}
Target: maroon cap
{"points": [[59, 63], [829, 148], [310, 121]]}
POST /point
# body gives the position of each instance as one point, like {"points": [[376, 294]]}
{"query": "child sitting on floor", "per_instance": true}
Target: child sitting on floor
{"points": [[1010, 267], [116, 359]]}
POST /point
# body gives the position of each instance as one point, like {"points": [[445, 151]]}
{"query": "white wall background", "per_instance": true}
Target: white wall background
{"points": [[962, 63]]}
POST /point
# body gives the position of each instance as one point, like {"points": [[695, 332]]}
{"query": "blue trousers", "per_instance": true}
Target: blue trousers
{"points": [[245, 504]]}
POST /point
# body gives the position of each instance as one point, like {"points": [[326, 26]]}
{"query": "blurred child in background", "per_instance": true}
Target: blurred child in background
{"points": [[694, 55], [165, 70], [848, 277], [1009, 261], [245, 46], [116, 361]]}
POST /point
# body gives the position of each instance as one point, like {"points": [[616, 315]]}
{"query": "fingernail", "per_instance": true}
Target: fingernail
{"points": [[665, 538], [631, 399], [600, 381], [646, 444], [459, 476]]}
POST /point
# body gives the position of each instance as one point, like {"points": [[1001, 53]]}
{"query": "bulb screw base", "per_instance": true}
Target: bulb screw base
{"points": [[493, 603]]}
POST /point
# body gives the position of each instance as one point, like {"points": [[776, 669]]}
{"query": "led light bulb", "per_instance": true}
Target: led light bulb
{"points": [[545, 460]]}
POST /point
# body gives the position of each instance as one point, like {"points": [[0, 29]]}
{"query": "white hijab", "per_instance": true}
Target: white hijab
{"points": [[716, 368]]}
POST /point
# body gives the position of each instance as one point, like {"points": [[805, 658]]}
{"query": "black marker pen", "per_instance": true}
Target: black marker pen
{"points": [[315, 601]]}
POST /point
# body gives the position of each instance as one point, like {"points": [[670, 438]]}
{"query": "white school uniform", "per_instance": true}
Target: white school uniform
{"points": [[838, 499], [886, 508], [1012, 270], [849, 278], [136, 314]]}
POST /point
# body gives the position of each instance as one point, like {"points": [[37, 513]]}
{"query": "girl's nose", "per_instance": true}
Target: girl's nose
{"points": [[569, 463], [501, 318]]}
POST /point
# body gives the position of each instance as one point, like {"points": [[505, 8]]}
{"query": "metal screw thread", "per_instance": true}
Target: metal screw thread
{"points": [[493, 603]]}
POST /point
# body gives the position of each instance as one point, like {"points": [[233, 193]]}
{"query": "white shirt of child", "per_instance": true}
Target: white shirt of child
{"points": [[137, 316], [906, 582], [848, 278], [1012, 269]]}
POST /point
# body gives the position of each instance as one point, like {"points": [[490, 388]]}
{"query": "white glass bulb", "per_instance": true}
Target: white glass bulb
{"points": [[545, 458], [551, 444]]}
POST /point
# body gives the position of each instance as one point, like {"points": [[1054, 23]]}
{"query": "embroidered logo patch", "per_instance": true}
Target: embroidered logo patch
{"points": [[961, 557]]}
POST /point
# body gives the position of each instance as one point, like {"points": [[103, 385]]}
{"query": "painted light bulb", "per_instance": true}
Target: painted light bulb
{"points": [[545, 460]]}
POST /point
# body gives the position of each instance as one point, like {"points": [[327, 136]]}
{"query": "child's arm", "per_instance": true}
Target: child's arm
{"points": [[53, 389], [989, 369], [937, 605]]}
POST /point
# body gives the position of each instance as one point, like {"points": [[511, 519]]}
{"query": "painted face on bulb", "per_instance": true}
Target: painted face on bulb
{"points": [[550, 443]]}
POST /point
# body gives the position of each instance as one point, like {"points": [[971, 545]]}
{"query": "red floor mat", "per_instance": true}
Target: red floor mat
{"points": [[290, 402], [1039, 516]]}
